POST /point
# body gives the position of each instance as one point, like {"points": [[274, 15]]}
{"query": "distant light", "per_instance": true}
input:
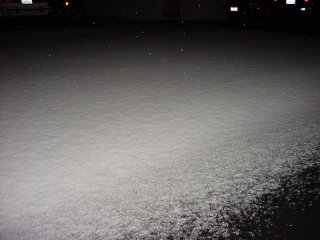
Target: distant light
{"points": [[306, 1], [234, 9], [303, 9], [66, 3], [290, 2]]}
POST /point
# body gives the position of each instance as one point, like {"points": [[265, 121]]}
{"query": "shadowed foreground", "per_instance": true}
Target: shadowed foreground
{"points": [[291, 211]]}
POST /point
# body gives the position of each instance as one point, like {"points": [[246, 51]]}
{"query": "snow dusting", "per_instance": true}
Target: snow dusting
{"points": [[101, 142]]}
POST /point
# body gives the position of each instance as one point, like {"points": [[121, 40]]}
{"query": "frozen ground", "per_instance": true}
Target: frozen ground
{"points": [[130, 132]]}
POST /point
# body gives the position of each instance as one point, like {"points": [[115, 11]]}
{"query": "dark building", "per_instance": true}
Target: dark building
{"points": [[157, 9]]}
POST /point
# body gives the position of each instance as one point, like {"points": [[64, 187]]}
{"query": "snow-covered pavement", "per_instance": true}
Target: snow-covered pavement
{"points": [[124, 132]]}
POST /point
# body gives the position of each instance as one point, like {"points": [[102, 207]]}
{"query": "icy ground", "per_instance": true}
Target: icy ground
{"points": [[130, 132]]}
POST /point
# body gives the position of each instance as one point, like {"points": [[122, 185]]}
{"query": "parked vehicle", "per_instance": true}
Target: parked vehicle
{"points": [[296, 7], [71, 8], [267, 8], [24, 8], [235, 8]]}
